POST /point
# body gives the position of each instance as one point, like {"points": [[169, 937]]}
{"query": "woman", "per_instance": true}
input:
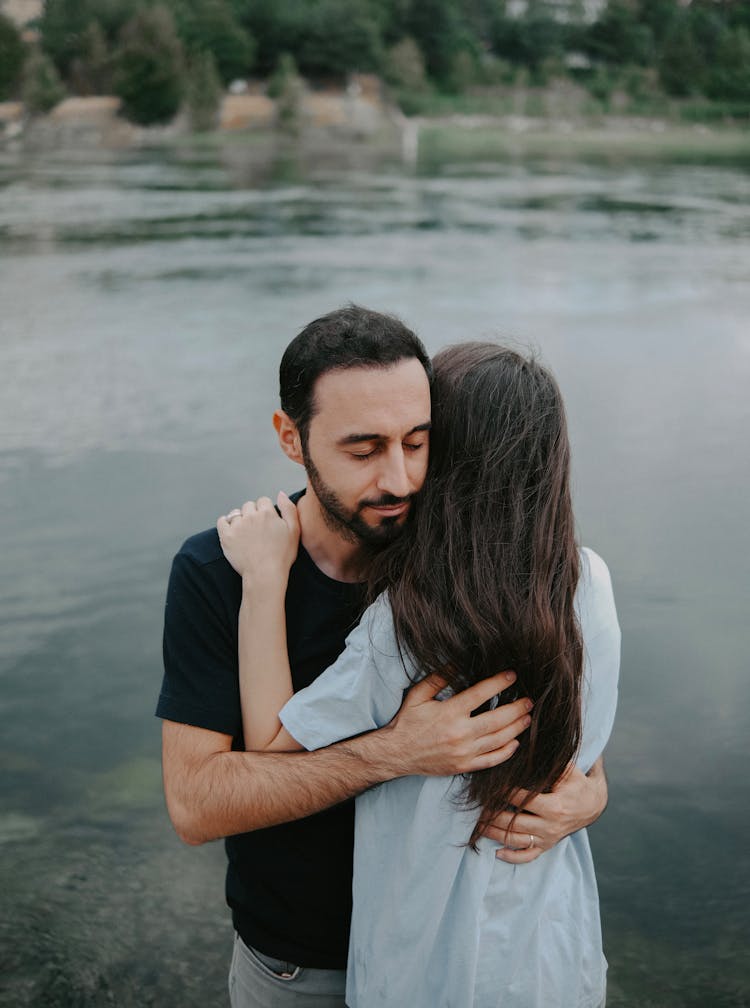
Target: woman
{"points": [[487, 576]]}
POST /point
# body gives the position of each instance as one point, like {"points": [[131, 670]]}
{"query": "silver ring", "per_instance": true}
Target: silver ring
{"points": [[531, 842], [234, 513]]}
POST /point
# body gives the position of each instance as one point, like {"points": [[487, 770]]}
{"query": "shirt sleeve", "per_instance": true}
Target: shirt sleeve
{"points": [[361, 691], [200, 685], [601, 663]]}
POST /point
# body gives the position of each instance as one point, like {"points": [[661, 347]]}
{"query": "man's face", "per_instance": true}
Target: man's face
{"points": [[367, 445]]}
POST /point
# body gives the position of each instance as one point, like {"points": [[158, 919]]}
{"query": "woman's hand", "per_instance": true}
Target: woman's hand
{"points": [[576, 801], [260, 545]]}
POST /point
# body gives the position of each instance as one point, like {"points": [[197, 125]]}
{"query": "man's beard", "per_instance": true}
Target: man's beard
{"points": [[350, 524]]}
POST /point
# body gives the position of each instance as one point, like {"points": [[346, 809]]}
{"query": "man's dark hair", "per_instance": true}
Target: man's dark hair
{"points": [[350, 337]]}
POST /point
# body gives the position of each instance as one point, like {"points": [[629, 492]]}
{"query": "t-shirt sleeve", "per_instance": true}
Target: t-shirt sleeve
{"points": [[361, 691], [200, 685], [601, 649]]}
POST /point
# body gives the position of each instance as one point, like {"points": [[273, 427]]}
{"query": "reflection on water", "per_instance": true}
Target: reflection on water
{"points": [[145, 302]]}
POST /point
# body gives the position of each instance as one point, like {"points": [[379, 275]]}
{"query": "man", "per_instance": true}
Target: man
{"points": [[356, 414]]}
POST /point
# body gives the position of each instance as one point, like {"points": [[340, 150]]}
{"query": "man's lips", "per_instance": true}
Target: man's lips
{"points": [[390, 510]]}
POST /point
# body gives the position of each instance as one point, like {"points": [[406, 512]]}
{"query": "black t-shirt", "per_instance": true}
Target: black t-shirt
{"points": [[289, 886]]}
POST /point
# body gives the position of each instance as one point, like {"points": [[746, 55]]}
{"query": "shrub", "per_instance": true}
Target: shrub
{"points": [[149, 67], [42, 88], [404, 66], [288, 89], [203, 92]]}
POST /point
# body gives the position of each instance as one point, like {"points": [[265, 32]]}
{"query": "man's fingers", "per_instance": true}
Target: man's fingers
{"points": [[248, 507], [264, 504], [500, 737], [473, 697], [500, 718], [493, 758], [425, 689]]}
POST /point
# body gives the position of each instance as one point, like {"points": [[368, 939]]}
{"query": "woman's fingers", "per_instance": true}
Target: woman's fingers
{"points": [[523, 855], [288, 512]]}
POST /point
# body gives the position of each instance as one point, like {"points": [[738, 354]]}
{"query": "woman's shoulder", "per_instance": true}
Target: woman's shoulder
{"points": [[595, 601], [376, 631]]}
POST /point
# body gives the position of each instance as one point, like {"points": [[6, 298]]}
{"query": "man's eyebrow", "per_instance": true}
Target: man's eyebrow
{"points": [[359, 438]]}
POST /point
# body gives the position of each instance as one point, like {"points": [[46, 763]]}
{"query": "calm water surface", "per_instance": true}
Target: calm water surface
{"points": [[144, 304]]}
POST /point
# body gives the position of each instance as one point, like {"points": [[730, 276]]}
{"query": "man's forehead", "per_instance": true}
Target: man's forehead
{"points": [[356, 395]]}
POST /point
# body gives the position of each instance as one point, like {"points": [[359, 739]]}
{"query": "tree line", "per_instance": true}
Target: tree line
{"points": [[155, 55]]}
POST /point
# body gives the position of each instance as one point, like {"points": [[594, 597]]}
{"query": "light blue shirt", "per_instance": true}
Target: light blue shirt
{"points": [[436, 924]]}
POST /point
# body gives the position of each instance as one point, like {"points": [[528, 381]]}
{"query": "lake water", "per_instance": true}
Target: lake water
{"points": [[145, 299]]}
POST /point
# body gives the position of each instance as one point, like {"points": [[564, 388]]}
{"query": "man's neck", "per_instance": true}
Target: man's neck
{"points": [[332, 553]]}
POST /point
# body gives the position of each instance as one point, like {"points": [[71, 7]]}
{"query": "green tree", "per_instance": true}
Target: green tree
{"points": [[288, 89], [404, 66], [681, 64], [617, 36], [341, 36], [535, 40], [12, 53], [149, 67], [729, 77], [203, 92], [64, 27], [658, 16], [278, 27], [440, 32], [91, 72], [211, 25], [42, 88]]}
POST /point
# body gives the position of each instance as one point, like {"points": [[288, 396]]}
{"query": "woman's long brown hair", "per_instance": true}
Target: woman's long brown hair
{"points": [[485, 576]]}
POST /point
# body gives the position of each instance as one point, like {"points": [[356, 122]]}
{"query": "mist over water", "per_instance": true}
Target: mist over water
{"points": [[145, 301]]}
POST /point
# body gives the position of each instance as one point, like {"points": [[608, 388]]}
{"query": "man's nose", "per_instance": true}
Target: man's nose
{"points": [[393, 478]]}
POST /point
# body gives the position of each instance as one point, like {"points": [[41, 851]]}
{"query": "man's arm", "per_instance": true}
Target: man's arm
{"points": [[213, 792], [576, 801]]}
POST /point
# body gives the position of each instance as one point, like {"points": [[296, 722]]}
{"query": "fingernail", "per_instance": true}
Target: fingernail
{"points": [[529, 704], [526, 720], [510, 677]]}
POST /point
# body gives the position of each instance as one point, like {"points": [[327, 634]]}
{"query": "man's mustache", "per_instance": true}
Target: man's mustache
{"points": [[387, 500]]}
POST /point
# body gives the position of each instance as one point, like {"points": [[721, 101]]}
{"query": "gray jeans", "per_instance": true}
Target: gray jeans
{"points": [[260, 981]]}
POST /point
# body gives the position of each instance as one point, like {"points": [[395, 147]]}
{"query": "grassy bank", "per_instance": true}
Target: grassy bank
{"points": [[610, 141]]}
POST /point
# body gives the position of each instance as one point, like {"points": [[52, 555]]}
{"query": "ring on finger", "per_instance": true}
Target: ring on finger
{"points": [[531, 842], [234, 513]]}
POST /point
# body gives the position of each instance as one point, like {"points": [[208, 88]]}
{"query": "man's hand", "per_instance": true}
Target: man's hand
{"points": [[576, 801], [440, 738]]}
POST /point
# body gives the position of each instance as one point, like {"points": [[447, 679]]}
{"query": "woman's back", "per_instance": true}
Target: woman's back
{"points": [[436, 923]]}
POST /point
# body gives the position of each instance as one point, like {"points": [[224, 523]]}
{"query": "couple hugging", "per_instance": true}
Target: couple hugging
{"points": [[417, 629]]}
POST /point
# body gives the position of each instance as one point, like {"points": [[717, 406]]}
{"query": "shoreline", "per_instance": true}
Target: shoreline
{"points": [[367, 129]]}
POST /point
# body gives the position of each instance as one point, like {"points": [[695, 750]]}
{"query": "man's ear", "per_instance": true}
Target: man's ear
{"points": [[289, 436]]}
